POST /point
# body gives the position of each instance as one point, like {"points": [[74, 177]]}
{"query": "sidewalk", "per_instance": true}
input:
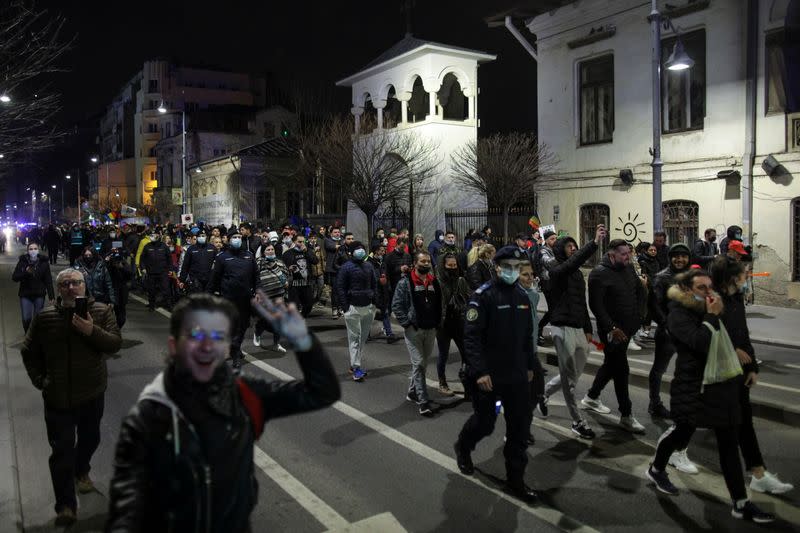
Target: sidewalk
{"points": [[778, 326]]}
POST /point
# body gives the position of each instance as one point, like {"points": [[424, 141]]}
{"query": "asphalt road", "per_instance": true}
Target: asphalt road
{"points": [[371, 463]]}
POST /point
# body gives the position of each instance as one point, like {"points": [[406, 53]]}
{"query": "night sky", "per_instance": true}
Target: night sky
{"points": [[319, 42]]}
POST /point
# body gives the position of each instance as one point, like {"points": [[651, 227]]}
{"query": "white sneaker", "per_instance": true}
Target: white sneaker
{"points": [[279, 348], [256, 340], [594, 405], [631, 424], [680, 460], [770, 484], [633, 346]]}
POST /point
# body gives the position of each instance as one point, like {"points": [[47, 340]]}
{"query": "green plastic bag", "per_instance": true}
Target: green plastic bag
{"points": [[722, 363]]}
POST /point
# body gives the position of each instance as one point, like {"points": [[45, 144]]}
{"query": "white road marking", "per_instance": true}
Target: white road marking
{"points": [[797, 367], [309, 501], [384, 522], [552, 516]]}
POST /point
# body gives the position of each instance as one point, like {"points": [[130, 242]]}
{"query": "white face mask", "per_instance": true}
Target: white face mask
{"points": [[112, 235], [201, 240], [33, 254]]}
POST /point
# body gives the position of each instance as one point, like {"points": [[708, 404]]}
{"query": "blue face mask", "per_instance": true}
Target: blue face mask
{"points": [[270, 257], [699, 298], [509, 275], [359, 254], [236, 243]]}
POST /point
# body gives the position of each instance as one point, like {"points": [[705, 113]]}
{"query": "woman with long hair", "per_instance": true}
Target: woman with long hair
{"points": [[35, 282]]}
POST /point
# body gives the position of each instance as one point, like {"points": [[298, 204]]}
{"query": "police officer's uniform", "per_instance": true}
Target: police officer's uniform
{"points": [[196, 267], [234, 276], [498, 342]]}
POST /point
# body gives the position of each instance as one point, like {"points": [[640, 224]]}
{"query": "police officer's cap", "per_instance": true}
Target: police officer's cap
{"points": [[508, 253]]}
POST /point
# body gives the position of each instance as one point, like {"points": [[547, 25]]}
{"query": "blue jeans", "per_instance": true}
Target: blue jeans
{"points": [[30, 308], [387, 321]]}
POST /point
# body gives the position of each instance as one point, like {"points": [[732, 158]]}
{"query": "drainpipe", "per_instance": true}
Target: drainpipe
{"points": [[509, 24], [748, 160]]}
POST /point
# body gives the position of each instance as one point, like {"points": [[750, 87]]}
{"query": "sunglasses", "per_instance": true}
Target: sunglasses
{"points": [[70, 283], [198, 334]]}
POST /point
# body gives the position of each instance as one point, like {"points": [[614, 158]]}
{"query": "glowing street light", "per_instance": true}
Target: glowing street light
{"points": [[5, 98], [94, 159]]}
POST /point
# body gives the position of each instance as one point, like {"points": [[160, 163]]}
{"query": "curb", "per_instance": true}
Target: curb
{"points": [[762, 408], [779, 344], [12, 513]]}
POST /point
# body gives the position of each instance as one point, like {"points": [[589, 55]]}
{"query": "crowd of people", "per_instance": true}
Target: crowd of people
{"points": [[219, 281]]}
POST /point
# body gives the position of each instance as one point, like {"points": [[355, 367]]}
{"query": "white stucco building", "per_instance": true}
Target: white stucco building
{"points": [[595, 112], [423, 88]]}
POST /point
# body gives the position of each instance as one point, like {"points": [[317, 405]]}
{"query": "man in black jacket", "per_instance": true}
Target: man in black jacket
{"points": [[155, 262], [570, 322], [660, 242], [331, 245], [184, 459], [664, 349], [615, 296], [498, 341], [197, 263], [234, 276], [299, 259], [704, 251]]}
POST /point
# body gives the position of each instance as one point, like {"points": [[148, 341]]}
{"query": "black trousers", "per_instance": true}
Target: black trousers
{"points": [[614, 367], [330, 281], [69, 460], [546, 316], [262, 326], [52, 255], [452, 329], [678, 436], [517, 412], [158, 283], [303, 297], [243, 310], [748, 442], [74, 253], [663, 354]]}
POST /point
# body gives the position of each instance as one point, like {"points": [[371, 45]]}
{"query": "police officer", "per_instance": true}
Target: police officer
{"points": [[500, 364], [197, 263], [234, 276], [155, 262]]}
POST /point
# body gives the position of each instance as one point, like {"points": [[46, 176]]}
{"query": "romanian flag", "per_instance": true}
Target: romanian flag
{"points": [[534, 222]]}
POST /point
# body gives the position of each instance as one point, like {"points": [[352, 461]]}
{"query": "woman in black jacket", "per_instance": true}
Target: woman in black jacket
{"points": [[35, 281], [694, 316], [730, 279], [455, 295], [482, 270]]}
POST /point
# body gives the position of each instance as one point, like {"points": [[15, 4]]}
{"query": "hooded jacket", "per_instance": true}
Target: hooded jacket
{"points": [[67, 366], [615, 298], [567, 296], [35, 284], [164, 479], [435, 245], [734, 233], [714, 405]]}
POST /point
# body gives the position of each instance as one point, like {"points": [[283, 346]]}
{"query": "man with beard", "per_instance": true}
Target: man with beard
{"points": [[234, 277], [660, 242], [615, 296], [299, 260]]}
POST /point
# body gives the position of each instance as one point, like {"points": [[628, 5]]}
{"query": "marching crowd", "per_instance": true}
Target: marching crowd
{"points": [[184, 456]]}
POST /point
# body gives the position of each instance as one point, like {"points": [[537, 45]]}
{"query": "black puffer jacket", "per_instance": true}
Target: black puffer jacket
{"points": [[186, 463], [649, 266], [38, 282], [479, 273], [615, 297], [67, 366], [234, 276], [356, 284], [567, 296], [714, 405]]}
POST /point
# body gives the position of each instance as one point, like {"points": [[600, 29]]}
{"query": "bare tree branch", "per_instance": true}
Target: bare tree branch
{"points": [[31, 45], [504, 168]]}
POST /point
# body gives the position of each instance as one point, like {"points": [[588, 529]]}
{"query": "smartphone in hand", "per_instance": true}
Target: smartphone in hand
{"points": [[82, 306]]}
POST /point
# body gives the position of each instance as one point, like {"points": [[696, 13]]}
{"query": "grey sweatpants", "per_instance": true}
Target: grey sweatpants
{"points": [[420, 343], [358, 321], [572, 349]]}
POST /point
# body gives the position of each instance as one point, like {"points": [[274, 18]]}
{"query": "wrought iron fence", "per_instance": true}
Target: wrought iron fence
{"points": [[476, 219]]}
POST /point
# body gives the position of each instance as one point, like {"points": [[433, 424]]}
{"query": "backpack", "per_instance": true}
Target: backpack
{"points": [[252, 403]]}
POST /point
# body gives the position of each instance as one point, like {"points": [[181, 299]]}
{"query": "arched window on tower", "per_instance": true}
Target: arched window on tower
{"points": [[419, 103], [392, 113], [451, 98]]}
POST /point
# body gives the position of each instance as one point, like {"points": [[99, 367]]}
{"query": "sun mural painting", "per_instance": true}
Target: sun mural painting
{"points": [[631, 229]]}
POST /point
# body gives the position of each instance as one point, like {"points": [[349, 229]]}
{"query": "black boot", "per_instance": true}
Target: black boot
{"points": [[463, 460], [519, 489]]}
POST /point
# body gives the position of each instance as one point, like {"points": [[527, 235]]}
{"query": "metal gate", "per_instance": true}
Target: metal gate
{"points": [[590, 216], [681, 221], [394, 216], [796, 239]]}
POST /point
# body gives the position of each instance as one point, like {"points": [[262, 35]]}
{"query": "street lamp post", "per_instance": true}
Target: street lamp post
{"points": [[78, 183], [163, 110], [677, 61]]}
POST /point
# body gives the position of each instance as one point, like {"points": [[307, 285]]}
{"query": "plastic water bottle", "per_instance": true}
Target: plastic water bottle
{"points": [[497, 406]]}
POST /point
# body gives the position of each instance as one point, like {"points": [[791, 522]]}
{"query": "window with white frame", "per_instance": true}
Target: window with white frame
{"points": [[683, 92], [596, 100]]}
